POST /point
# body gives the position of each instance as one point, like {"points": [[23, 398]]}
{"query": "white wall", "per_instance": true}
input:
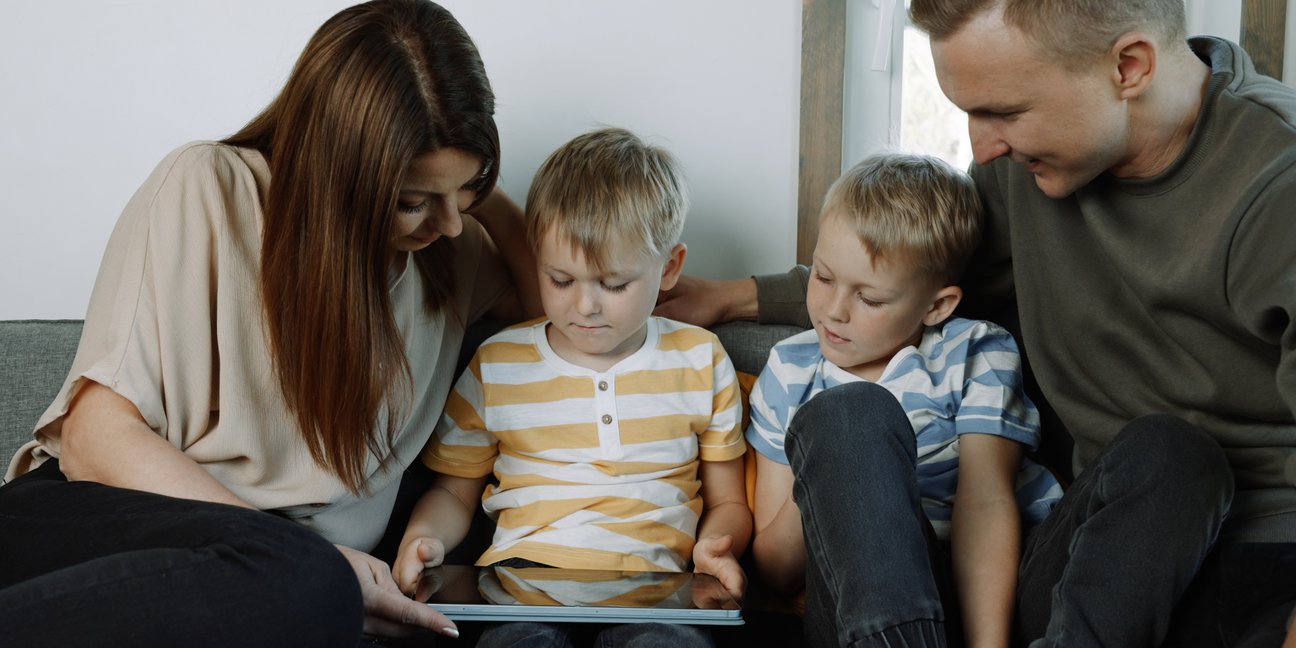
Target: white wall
{"points": [[1221, 18], [95, 93]]}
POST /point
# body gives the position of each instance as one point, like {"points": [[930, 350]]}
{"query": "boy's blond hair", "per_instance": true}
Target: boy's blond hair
{"points": [[606, 186], [913, 209], [1071, 32]]}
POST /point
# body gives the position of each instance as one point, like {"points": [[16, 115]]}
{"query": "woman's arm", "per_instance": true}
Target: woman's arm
{"points": [[504, 221], [725, 528], [106, 440], [986, 537], [438, 524], [779, 548]]}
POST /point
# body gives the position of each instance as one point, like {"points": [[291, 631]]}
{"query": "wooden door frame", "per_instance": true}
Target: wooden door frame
{"points": [[823, 76]]}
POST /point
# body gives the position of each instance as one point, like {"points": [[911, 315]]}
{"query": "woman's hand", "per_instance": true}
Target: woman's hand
{"points": [[714, 556], [388, 613], [416, 555]]}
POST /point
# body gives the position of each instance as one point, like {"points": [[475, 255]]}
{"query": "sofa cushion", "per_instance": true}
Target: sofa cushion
{"points": [[35, 356]]}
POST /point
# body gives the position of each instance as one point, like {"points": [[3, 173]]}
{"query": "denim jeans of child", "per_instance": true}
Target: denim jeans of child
{"points": [[874, 573], [1130, 556], [83, 564], [566, 635]]}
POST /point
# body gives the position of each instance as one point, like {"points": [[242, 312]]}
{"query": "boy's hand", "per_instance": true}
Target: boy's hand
{"points": [[414, 556], [713, 556]]}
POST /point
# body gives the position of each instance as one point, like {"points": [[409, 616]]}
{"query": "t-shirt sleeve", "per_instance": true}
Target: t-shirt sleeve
{"points": [[993, 400], [723, 438], [770, 411], [149, 331], [461, 445]]}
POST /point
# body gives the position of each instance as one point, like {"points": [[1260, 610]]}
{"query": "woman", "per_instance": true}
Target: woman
{"points": [[278, 345]]}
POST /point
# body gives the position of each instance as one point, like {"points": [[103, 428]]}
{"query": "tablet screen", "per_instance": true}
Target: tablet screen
{"points": [[498, 593]]}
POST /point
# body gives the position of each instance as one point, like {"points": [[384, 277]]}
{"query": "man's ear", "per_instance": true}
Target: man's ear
{"points": [[943, 305], [1135, 56], [674, 266]]}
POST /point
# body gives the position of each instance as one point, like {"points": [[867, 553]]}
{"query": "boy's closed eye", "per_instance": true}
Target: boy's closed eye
{"points": [[565, 283]]}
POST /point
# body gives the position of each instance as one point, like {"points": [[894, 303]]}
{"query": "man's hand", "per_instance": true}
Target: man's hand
{"points": [[704, 302], [388, 613], [713, 556], [416, 555]]}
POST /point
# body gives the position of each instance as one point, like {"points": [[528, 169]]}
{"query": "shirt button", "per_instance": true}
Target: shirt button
{"points": [[602, 385], [607, 419]]}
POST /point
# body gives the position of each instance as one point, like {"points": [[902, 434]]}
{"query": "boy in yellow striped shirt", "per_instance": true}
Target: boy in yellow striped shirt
{"points": [[614, 435]]}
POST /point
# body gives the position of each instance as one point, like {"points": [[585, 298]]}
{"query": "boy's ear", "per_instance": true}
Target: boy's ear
{"points": [[674, 266], [943, 305]]}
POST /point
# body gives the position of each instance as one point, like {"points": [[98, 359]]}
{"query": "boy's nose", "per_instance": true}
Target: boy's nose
{"points": [[839, 307], [587, 303]]}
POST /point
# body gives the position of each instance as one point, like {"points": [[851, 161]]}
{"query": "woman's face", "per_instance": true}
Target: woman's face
{"points": [[433, 193]]}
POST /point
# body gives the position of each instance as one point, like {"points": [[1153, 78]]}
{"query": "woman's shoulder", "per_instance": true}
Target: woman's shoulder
{"points": [[208, 157], [202, 181]]}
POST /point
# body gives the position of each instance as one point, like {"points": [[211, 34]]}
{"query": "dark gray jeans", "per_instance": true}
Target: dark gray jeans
{"points": [[1129, 557], [875, 574], [83, 564]]}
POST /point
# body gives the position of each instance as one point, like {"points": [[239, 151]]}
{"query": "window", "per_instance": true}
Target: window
{"points": [[929, 123]]}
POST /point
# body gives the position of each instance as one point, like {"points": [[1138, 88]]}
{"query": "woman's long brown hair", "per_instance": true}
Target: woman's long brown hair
{"points": [[378, 85]]}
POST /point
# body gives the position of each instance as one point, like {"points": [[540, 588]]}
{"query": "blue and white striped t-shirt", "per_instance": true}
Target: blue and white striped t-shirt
{"points": [[963, 377]]}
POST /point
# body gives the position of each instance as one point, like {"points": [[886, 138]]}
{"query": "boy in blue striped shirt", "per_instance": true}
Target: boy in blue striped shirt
{"points": [[892, 430]]}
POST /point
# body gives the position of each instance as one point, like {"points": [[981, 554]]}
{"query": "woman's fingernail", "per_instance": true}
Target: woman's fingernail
{"points": [[453, 633]]}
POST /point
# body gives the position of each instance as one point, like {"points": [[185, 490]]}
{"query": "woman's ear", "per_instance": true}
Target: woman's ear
{"points": [[943, 305], [674, 266]]}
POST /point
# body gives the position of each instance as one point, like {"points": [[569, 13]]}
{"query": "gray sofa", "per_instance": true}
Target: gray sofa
{"points": [[35, 356]]}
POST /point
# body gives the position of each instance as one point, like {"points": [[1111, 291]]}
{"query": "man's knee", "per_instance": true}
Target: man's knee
{"points": [[1175, 457]]}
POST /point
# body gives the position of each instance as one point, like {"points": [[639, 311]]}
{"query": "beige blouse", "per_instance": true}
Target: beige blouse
{"points": [[175, 325]]}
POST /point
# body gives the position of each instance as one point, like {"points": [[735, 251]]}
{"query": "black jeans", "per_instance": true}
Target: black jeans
{"points": [[83, 564], [875, 574], [1129, 557]]}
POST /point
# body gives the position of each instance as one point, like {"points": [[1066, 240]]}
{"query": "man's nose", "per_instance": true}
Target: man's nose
{"points": [[987, 141]]}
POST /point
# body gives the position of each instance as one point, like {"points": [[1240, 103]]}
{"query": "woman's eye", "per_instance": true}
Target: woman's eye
{"points": [[412, 209]]}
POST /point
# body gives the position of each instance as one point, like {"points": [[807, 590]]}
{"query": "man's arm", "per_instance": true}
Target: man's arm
{"points": [[767, 299]]}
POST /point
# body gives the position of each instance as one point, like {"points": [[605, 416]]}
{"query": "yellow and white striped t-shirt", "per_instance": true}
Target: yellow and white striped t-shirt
{"points": [[596, 470]]}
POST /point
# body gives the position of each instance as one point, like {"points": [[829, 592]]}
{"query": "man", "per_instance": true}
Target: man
{"points": [[1140, 192]]}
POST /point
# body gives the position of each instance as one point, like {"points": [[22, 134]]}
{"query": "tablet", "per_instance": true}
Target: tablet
{"points": [[548, 594]]}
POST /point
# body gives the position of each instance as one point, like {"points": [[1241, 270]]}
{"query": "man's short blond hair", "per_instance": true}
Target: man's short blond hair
{"points": [[913, 209], [604, 187], [1071, 32]]}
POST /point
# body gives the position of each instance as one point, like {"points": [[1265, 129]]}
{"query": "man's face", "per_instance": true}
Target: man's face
{"points": [[1066, 127]]}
